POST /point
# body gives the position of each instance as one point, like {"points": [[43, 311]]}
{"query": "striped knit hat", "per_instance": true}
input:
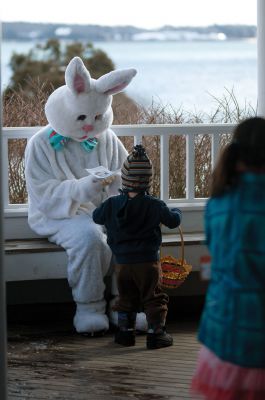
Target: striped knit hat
{"points": [[136, 173]]}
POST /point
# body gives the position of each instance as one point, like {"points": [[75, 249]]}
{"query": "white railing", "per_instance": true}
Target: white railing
{"points": [[138, 132]]}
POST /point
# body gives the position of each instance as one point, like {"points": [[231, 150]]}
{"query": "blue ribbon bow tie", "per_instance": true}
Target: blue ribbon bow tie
{"points": [[58, 142]]}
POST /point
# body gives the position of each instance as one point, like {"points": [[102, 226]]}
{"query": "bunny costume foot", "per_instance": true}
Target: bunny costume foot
{"points": [[91, 318], [62, 194], [141, 322]]}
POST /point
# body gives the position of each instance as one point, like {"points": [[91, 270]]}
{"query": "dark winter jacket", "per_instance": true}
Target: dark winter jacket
{"points": [[133, 226], [233, 321]]}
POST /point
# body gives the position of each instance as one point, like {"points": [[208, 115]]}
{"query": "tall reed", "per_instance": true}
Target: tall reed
{"points": [[22, 109]]}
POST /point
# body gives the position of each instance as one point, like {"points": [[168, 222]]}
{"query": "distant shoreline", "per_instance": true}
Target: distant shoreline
{"points": [[34, 41], [27, 31]]}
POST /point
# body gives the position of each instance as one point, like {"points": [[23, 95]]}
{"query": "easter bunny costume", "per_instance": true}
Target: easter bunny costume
{"points": [[62, 194]]}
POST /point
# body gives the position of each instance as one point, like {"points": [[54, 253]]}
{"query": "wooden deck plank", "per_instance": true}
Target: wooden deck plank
{"points": [[49, 363]]}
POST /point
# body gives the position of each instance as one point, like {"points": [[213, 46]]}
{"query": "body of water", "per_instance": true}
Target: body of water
{"points": [[184, 75]]}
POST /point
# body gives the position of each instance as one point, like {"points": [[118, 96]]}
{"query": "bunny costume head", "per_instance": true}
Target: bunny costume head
{"points": [[62, 193], [81, 109]]}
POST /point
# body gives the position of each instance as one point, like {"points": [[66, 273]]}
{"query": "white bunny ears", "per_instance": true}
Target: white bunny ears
{"points": [[78, 79]]}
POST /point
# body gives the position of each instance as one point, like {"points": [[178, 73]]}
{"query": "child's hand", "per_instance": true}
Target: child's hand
{"points": [[107, 181]]}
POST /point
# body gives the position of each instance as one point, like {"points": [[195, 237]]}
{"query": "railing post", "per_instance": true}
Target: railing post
{"points": [[164, 167], [261, 56], [190, 166], [5, 168], [215, 149], [137, 139], [3, 359]]}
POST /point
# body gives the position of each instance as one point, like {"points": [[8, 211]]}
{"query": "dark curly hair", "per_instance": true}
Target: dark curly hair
{"points": [[247, 147]]}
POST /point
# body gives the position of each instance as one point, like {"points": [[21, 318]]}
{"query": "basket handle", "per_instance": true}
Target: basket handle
{"points": [[182, 246]]}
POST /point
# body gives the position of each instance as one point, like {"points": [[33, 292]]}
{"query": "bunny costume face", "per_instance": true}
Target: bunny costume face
{"points": [[62, 195], [81, 109]]}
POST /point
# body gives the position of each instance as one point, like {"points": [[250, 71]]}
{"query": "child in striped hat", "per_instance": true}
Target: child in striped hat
{"points": [[136, 173], [132, 220]]}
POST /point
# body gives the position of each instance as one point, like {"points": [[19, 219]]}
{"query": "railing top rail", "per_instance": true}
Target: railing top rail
{"points": [[20, 132], [140, 129]]}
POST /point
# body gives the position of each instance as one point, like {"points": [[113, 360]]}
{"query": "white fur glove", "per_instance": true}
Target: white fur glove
{"points": [[115, 185], [86, 189]]}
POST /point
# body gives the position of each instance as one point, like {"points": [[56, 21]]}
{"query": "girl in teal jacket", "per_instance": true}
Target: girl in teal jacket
{"points": [[231, 364]]}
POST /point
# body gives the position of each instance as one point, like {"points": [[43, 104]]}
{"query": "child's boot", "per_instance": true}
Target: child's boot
{"points": [[125, 336], [157, 337]]}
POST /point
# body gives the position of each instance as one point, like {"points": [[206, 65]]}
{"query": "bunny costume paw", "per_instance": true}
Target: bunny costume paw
{"points": [[90, 318], [141, 322]]}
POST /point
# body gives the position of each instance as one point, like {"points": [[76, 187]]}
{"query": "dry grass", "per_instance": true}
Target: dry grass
{"points": [[21, 109]]}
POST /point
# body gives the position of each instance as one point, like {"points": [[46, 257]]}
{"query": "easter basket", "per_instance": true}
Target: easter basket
{"points": [[174, 270]]}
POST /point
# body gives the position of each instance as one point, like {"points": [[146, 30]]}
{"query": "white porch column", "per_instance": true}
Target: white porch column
{"points": [[3, 336], [261, 56]]}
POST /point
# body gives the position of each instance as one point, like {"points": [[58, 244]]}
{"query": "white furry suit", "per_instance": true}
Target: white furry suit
{"points": [[57, 210], [62, 194]]}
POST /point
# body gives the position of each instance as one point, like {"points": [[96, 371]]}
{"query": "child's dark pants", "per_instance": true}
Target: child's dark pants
{"points": [[139, 288]]}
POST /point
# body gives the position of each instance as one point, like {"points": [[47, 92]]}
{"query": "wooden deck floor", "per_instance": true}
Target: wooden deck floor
{"points": [[53, 362]]}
